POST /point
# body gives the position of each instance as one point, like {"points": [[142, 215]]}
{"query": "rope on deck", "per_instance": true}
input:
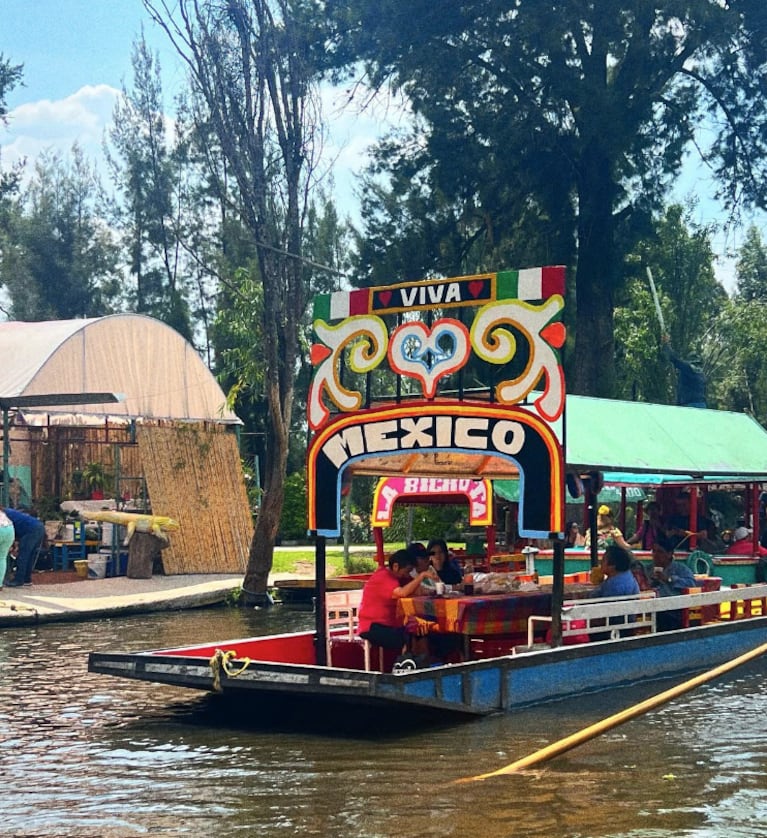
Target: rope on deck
{"points": [[220, 662]]}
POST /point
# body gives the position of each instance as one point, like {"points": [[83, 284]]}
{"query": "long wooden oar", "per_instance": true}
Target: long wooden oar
{"points": [[592, 731]]}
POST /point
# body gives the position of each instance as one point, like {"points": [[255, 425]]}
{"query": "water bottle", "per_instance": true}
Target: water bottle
{"points": [[468, 579]]}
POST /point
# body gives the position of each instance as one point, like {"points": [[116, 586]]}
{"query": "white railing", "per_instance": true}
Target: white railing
{"points": [[638, 612]]}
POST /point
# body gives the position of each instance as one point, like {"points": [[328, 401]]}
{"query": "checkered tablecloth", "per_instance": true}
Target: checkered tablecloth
{"points": [[479, 615]]}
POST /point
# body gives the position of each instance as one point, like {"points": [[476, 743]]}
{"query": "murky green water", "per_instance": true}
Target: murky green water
{"points": [[90, 755]]}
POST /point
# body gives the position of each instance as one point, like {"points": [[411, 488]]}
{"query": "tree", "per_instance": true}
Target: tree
{"points": [[10, 76], [248, 60], [59, 260], [752, 268], [580, 112], [679, 253], [742, 334], [155, 205]]}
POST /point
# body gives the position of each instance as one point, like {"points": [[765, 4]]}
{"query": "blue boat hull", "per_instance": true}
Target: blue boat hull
{"points": [[475, 688]]}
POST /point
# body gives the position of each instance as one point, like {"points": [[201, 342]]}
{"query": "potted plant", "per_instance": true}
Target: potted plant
{"points": [[95, 479]]}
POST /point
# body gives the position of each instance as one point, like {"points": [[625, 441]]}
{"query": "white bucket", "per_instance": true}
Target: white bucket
{"points": [[106, 533], [97, 566], [69, 532]]}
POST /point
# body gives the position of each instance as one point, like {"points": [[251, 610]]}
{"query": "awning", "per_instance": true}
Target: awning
{"points": [[663, 439], [509, 490]]}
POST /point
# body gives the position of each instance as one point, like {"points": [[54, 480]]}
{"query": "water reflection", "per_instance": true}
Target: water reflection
{"points": [[90, 755]]}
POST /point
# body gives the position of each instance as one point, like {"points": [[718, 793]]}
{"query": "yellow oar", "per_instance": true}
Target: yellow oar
{"points": [[610, 722]]}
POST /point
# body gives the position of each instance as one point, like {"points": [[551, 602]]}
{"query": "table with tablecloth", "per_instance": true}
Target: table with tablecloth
{"points": [[484, 614]]}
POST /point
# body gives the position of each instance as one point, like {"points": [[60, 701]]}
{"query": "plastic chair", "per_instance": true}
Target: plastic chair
{"points": [[342, 625]]}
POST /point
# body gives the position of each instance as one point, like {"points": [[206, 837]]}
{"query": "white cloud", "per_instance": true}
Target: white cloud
{"points": [[35, 127]]}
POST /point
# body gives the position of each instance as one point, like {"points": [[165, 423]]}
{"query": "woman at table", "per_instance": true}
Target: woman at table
{"points": [[607, 532], [448, 569]]}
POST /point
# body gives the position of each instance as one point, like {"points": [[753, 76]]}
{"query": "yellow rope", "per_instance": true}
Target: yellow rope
{"points": [[220, 661]]}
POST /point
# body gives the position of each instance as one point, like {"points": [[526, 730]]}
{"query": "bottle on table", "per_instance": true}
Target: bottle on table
{"points": [[468, 579]]}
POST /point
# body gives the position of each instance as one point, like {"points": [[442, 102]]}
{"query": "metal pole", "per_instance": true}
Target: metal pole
{"points": [[6, 454], [557, 590], [320, 633]]}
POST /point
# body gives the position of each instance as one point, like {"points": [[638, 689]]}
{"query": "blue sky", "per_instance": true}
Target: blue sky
{"points": [[77, 56]]}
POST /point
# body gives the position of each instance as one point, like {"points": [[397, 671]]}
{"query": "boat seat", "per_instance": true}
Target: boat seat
{"points": [[342, 625]]}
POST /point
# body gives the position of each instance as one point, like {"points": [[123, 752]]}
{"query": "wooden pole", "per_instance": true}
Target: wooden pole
{"points": [[610, 722]]}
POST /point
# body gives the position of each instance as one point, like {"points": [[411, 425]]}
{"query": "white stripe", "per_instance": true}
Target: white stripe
{"points": [[339, 305], [530, 284]]}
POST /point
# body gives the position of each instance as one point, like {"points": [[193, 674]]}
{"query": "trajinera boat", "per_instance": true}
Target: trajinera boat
{"points": [[459, 382]]}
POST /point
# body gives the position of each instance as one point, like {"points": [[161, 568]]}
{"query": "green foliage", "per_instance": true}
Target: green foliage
{"points": [[60, 260], [155, 216], [752, 268], [540, 126], [95, 476], [679, 253], [422, 523], [293, 518]]}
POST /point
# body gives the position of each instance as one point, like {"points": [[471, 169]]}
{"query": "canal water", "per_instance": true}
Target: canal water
{"points": [[90, 755]]}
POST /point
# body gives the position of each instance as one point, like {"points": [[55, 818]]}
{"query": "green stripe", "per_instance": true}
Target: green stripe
{"points": [[507, 285], [322, 307]]}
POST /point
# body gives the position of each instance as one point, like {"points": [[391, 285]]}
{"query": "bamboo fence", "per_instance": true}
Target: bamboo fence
{"points": [[193, 474]]}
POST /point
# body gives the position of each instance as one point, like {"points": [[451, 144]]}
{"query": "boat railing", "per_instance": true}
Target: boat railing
{"points": [[636, 614]]}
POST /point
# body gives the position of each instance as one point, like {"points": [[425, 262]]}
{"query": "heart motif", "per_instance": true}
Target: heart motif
{"points": [[384, 297], [428, 355], [475, 287]]}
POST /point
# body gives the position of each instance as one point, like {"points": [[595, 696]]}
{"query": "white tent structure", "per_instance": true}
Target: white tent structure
{"points": [[158, 373]]}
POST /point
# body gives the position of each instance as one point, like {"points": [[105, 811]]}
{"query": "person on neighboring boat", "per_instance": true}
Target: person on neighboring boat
{"points": [[618, 578], [378, 619], [607, 532], [743, 543], [678, 526], [669, 578], [651, 528], [7, 536], [30, 532], [448, 569], [574, 538], [691, 382]]}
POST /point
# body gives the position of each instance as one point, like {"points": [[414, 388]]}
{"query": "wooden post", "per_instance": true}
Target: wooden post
{"points": [[143, 549]]}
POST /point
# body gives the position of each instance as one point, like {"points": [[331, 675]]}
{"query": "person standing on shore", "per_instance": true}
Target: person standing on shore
{"points": [[29, 533], [7, 536]]}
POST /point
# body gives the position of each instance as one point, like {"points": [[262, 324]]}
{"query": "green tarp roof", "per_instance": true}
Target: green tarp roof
{"points": [[663, 439], [509, 490]]}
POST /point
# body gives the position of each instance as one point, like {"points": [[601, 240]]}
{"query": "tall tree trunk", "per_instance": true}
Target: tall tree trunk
{"points": [[593, 370]]}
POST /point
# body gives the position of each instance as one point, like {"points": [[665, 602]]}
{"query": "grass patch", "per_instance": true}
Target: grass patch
{"points": [[295, 559]]}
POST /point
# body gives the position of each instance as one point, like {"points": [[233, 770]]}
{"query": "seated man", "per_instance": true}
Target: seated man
{"points": [[669, 578], [619, 580], [378, 619]]}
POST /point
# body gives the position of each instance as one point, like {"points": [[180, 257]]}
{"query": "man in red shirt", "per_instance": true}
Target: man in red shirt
{"points": [[378, 619]]}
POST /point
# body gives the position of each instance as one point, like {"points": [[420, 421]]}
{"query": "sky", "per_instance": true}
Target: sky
{"points": [[77, 56]]}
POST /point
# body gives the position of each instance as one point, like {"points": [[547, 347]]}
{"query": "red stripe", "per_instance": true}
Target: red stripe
{"points": [[552, 281]]}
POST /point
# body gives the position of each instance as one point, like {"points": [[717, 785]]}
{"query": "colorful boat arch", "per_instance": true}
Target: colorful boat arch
{"points": [[419, 342]]}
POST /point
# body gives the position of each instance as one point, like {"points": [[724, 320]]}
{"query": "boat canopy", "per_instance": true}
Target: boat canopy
{"points": [[662, 441], [508, 490]]}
